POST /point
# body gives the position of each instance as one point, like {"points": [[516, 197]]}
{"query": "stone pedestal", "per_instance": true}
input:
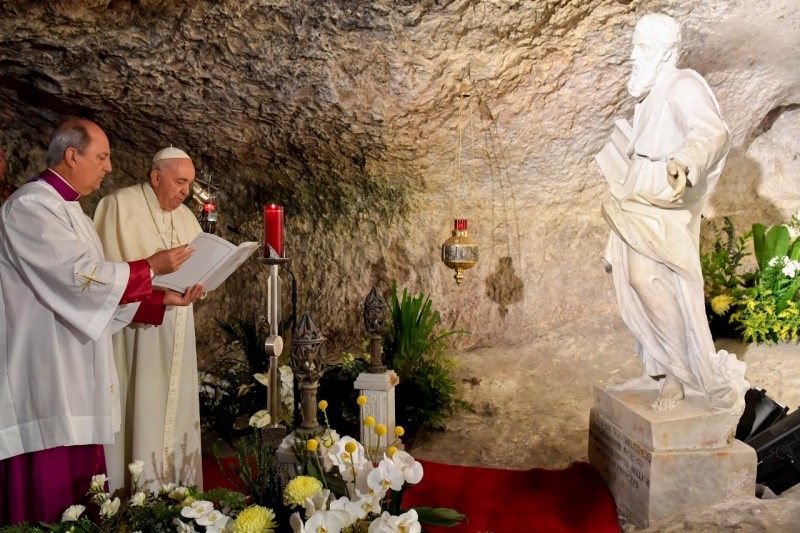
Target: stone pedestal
{"points": [[656, 463], [379, 391]]}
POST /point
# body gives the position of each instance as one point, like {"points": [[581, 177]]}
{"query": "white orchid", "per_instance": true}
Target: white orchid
{"points": [[384, 477], [214, 521], [109, 508], [405, 523], [72, 513], [183, 527], [366, 504], [412, 470], [328, 522], [344, 460], [260, 419], [318, 502], [197, 510]]}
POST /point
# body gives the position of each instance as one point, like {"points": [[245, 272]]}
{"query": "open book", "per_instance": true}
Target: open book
{"points": [[212, 262]]}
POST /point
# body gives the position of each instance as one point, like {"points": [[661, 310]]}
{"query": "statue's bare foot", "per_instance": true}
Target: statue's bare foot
{"points": [[670, 396], [643, 382]]}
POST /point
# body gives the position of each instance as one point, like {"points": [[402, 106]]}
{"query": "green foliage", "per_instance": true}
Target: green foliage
{"points": [[762, 305], [254, 472], [721, 265], [427, 393]]}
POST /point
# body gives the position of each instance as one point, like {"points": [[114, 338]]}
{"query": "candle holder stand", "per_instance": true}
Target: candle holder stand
{"points": [[274, 431], [377, 383]]}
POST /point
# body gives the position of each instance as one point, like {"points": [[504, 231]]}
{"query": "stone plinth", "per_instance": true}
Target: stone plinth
{"points": [[379, 391], [650, 482], [691, 425]]}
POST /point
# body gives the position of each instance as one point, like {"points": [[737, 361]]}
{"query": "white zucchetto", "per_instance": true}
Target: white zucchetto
{"points": [[170, 153]]}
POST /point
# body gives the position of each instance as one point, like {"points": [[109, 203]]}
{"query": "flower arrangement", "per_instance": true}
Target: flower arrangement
{"points": [[172, 508], [762, 305], [350, 487]]}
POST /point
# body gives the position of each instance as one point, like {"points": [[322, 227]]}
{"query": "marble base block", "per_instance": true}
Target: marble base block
{"points": [[650, 483], [690, 425], [379, 391]]}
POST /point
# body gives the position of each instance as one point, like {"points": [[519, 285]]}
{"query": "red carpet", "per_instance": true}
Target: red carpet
{"points": [[572, 500]]}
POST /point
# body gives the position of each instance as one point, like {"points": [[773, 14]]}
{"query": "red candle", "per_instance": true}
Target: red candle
{"points": [[273, 229]]}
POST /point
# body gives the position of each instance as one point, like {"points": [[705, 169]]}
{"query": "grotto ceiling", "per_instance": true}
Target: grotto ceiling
{"points": [[353, 115]]}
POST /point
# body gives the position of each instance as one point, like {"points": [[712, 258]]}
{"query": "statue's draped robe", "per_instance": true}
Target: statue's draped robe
{"points": [[654, 244], [157, 366]]}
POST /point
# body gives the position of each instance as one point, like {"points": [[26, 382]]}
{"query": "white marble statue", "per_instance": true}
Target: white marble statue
{"points": [[677, 148]]}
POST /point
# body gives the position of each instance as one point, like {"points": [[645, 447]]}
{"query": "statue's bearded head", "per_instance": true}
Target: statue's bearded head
{"points": [[656, 44]]}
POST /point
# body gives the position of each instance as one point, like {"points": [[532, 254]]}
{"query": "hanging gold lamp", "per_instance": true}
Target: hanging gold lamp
{"points": [[460, 251]]}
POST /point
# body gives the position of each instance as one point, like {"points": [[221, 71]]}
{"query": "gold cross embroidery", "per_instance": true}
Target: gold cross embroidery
{"points": [[89, 279]]}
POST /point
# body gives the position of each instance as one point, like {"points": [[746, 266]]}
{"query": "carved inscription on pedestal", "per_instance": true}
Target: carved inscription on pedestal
{"points": [[624, 464]]}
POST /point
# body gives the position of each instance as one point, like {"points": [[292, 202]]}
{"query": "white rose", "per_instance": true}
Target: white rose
{"points": [[72, 513]]}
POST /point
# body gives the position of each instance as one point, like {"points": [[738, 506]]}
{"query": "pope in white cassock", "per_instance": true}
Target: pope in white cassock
{"points": [[61, 302], [157, 366]]}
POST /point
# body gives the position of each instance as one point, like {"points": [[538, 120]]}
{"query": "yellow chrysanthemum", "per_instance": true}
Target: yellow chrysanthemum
{"points": [[322, 405], [399, 431], [390, 452], [255, 519], [350, 447], [369, 421], [312, 445], [361, 400], [721, 303], [300, 488], [380, 430]]}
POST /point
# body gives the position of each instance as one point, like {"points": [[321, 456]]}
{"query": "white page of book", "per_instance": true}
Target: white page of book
{"points": [[233, 261], [211, 252]]}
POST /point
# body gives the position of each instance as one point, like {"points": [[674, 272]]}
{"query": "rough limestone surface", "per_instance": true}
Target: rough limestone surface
{"points": [[351, 115]]}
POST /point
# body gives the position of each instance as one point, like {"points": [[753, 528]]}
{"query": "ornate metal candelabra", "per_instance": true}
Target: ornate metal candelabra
{"points": [[308, 364], [374, 323]]}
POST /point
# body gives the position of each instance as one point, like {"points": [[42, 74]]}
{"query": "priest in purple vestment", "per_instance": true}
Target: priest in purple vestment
{"points": [[61, 302]]}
